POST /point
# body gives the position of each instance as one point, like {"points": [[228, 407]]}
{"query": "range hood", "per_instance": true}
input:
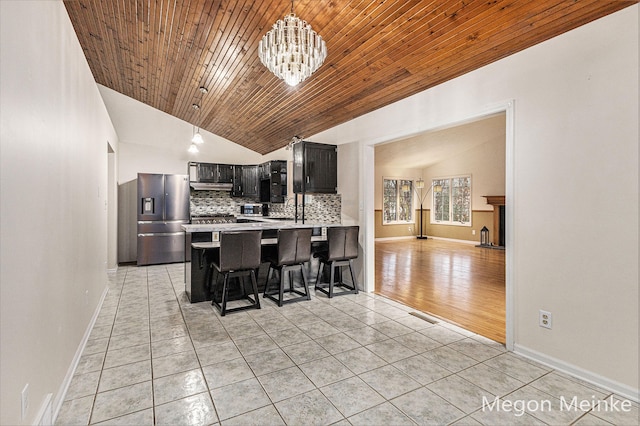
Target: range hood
{"points": [[211, 186]]}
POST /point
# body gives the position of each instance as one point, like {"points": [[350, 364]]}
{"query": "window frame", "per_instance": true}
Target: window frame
{"points": [[399, 180], [451, 222]]}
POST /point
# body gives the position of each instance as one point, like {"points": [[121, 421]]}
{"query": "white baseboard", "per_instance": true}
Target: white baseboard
{"points": [[112, 270], [408, 237], [590, 377], [62, 392], [395, 238], [44, 417], [453, 240]]}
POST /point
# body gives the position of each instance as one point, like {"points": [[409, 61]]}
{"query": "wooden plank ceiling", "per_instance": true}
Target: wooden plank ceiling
{"points": [[161, 51]]}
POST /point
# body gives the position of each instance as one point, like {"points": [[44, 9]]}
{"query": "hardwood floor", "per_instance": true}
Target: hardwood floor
{"points": [[458, 282]]}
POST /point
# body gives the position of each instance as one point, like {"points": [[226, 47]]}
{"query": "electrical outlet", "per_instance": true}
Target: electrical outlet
{"points": [[473, 232], [545, 319], [24, 401]]}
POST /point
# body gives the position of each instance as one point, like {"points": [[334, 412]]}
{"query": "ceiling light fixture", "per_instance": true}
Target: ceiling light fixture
{"points": [[197, 137], [293, 141], [292, 50]]}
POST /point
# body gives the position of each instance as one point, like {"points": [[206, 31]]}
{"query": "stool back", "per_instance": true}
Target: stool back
{"points": [[294, 246], [343, 242], [240, 250]]}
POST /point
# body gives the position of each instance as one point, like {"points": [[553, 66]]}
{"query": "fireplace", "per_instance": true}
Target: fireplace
{"points": [[499, 206]]}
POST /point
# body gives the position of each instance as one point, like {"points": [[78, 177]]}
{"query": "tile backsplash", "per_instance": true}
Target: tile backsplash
{"points": [[324, 208], [214, 203], [321, 208]]}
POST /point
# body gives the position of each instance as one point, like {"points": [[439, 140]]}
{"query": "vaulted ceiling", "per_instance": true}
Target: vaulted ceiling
{"points": [[161, 51]]}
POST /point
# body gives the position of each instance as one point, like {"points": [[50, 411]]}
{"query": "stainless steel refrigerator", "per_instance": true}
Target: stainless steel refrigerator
{"points": [[163, 207]]}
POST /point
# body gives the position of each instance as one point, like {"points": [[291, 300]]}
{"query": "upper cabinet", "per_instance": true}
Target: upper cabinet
{"points": [[206, 172], [250, 181], [315, 168], [214, 173], [266, 182], [273, 181], [237, 181], [225, 173]]}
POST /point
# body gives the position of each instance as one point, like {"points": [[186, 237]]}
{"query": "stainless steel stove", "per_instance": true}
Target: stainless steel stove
{"points": [[208, 220]]}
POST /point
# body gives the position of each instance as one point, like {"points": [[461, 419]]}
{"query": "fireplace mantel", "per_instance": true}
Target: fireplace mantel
{"points": [[495, 200]]}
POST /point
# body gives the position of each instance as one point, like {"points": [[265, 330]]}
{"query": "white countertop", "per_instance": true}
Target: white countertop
{"points": [[265, 241], [264, 223]]}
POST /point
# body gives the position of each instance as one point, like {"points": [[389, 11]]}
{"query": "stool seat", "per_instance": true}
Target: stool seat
{"points": [[342, 249], [293, 250], [239, 258]]}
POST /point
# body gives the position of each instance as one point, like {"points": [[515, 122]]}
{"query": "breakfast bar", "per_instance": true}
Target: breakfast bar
{"points": [[203, 241]]}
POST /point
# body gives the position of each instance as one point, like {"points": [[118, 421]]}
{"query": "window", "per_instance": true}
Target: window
{"points": [[397, 201], [452, 201]]}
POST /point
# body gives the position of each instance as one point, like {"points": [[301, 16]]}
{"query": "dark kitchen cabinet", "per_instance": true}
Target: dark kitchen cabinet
{"points": [[273, 182], [237, 181], [315, 168], [265, 182], [215, 173], [207, 172], [278, 181], [250, 181], [225, 173]]}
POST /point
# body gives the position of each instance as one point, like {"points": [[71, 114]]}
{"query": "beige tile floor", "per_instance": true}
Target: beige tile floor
{"points": [[155, 358]]}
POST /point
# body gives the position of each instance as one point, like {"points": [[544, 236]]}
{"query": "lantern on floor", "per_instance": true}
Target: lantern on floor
{"points": [[484, 236]]}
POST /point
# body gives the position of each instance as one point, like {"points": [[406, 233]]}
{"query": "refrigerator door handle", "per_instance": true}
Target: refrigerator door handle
{"points": [[160, 234]]}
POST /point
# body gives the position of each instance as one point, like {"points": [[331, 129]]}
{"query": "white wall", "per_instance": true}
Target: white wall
{"points": [[152, 141], [137, 158], [348, 182], [53, 211], [486, 165], [575, 185]]}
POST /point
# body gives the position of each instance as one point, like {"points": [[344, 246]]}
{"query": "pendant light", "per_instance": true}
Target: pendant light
{"points": [[197, 139]]}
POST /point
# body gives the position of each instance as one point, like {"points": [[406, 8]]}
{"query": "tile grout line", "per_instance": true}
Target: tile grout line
{"points": [[153, 394], [194, 350], [317, 314], [95, 395]]}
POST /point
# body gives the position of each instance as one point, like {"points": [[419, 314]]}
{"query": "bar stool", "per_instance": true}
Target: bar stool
{"points": [[294, 249], [239, 258], [342, 249]]}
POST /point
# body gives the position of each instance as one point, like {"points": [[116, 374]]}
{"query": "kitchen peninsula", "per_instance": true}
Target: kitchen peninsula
{"points": [[204, 243]]}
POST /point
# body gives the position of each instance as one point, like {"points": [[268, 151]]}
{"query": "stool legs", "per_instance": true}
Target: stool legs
{"points": [[283, 271], [225, 294], [328, 287], [222, 306]]}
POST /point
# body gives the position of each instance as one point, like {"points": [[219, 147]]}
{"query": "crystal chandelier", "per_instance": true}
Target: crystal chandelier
{"points": [[292, 50]]}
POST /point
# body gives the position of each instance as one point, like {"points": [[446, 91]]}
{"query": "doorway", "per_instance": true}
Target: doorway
{"points": [[112, 211], [382, 249]]}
